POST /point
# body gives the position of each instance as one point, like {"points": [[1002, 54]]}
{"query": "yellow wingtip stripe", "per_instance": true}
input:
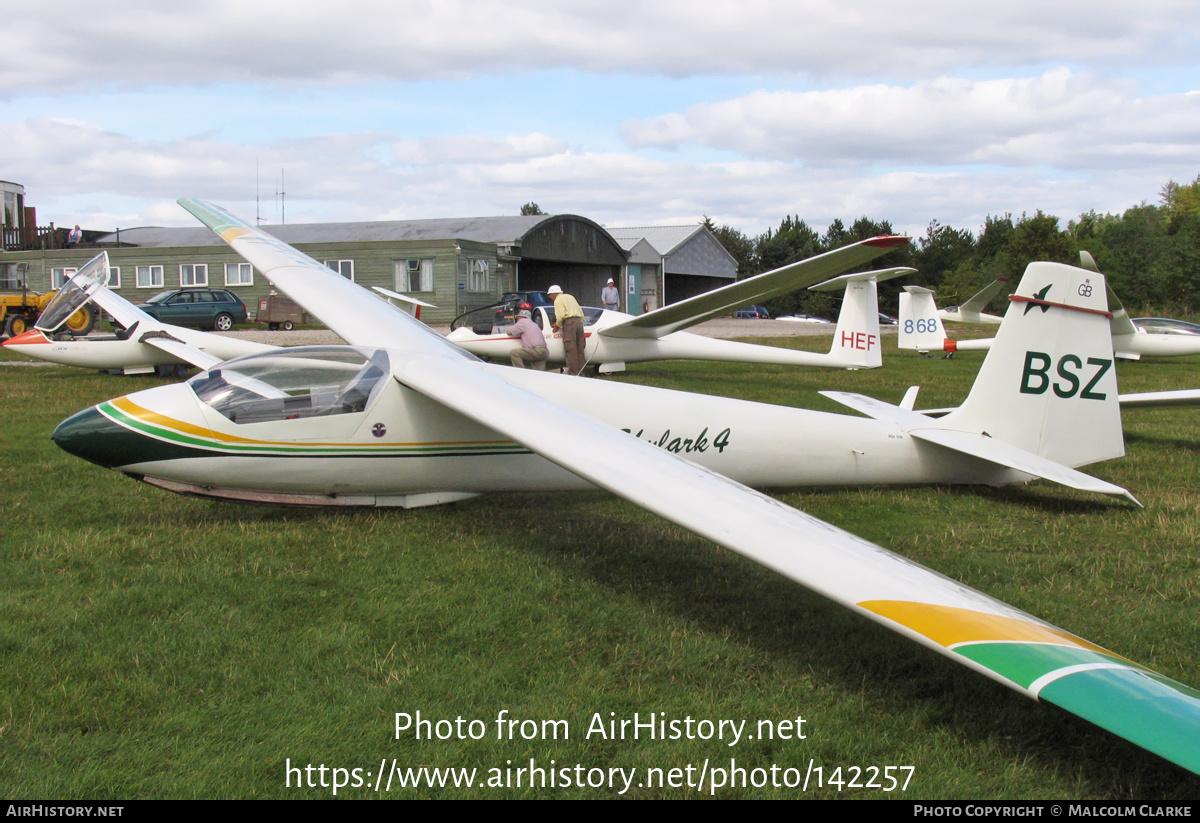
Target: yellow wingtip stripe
{"points": [[229, 235], [950, 626]]}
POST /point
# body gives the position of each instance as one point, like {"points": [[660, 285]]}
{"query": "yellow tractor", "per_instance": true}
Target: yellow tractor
{"points": [[20, 310]]}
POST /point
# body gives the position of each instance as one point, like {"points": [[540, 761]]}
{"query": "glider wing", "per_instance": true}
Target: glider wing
{"points": [[764, 286], [978, 631]]}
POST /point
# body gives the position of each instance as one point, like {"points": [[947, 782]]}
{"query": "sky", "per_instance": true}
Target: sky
{"points": [[659, 112]]}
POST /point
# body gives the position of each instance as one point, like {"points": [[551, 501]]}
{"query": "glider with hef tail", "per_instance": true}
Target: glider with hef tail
{"points": [[613, 338], [401, 417]]}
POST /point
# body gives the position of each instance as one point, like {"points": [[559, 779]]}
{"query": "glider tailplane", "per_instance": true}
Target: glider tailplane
{"points": [[920, 326], [1048, 385]]}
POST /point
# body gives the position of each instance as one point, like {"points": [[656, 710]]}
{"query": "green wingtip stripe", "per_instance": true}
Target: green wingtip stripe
{"points": [[1025, 663], [1141, 706], [1149, 710], [215, 219]]}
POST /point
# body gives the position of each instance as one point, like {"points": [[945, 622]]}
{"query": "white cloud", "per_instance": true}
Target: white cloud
{"points": [[77, 173], [135, 43], [470, 148], [1058, 119]]}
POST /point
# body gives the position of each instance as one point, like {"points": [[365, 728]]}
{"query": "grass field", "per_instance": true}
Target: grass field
{"points": [[160, 646]]}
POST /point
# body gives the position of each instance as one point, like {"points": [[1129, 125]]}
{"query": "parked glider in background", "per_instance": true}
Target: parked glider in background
{"points": [[1131, 341], [614, 338], [402, 417], [404, 302], [972, 310], [921, 327], [144, 344]]}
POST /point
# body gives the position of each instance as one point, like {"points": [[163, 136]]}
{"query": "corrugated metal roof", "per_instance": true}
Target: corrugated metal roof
{"points": [[481, 229], [664, 239]]}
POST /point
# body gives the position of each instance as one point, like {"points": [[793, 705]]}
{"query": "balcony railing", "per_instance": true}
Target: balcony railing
{"points": [[32, 238]]}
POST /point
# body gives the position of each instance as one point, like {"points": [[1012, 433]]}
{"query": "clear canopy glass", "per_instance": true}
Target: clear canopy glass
{"points": [[307, 381]]}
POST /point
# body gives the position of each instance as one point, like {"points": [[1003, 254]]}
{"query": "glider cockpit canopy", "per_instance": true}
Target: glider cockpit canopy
{"points": [[491, 319], [294, 383], [74, 294]]}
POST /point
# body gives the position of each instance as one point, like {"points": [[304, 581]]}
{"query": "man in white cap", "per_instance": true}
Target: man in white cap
{"points": [[610, 297], [568, 317]]}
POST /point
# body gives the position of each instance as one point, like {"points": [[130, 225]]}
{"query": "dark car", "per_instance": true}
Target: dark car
{"points": [[533, 298], [504, 312], [753, 312], [197, 308]]}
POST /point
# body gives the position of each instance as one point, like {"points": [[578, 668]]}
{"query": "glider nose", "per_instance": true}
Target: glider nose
{"points": [[31, 337], [92, 436]]}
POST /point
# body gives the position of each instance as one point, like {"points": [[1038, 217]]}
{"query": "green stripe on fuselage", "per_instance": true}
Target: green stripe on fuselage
{"points": [[97, 439], [195, 446]]}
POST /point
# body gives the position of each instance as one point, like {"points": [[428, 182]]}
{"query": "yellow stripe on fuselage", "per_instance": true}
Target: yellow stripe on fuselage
{"points": [[146, 415], [134, 410]]}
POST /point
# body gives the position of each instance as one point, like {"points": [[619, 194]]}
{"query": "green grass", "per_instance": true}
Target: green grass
{"points": [[160, 646]]}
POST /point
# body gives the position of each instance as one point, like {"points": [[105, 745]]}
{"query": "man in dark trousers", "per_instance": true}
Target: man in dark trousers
{"points": [[568, 317]]}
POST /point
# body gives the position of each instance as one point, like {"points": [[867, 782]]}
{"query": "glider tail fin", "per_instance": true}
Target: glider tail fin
{"points": [[979, 301], [1048, 385], [856, 340], [920, 326]]}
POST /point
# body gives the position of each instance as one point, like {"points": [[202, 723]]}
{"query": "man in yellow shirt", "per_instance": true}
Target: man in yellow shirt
{"points": [[569, 318]]}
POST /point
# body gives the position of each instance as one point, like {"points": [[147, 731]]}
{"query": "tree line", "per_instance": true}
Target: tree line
{"points": [[1150, 253]]}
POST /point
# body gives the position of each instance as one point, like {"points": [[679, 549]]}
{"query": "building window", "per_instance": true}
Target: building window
{"points": [[59, 277], [10, 210], [343, 267], [477, 275], [239, 274], [193, 275], [414, 275], [114, 277], [12, 275], [149, 277]]}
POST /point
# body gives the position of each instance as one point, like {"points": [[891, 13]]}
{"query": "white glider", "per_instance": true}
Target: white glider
{"points": [[401, 417], [614, 338], [921, 329], [972, 310], [144, 344]]}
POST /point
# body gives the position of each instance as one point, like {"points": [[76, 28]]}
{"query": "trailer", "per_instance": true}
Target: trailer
{"points": [[279, 311]]}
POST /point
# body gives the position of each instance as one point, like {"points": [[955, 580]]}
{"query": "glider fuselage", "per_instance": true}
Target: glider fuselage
{"points": [[405, 444], [1156, 345], [129, 355]]}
